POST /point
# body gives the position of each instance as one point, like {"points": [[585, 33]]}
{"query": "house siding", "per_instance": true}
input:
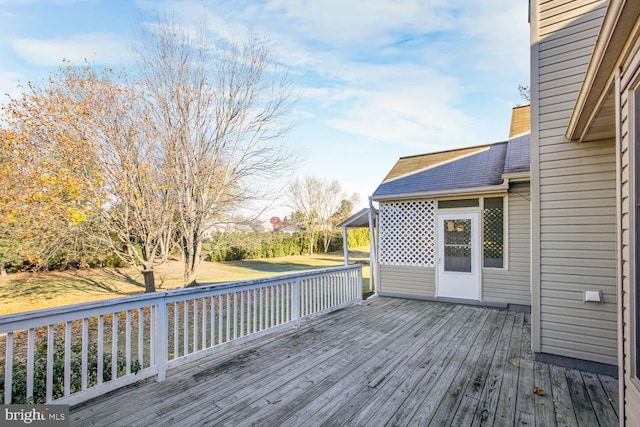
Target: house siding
{"points": [[573, 194], [513, 285], [504, 286], [626, 154], [409, 281]]}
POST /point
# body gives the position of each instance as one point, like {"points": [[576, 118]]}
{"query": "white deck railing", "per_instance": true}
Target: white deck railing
{"points": [[75, 353]]}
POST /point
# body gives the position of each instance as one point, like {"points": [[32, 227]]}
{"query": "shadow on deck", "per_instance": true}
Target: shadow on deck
{"points": [[387, 362]]}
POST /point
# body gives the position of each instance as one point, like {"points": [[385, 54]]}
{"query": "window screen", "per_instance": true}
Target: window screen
{"points": [[458, 203]]}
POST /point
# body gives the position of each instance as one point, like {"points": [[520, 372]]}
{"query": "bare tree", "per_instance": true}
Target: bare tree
{"points": [[525, 94], [332, 196], [137, 221], [304, 197], [322, 205], [221, 109]]}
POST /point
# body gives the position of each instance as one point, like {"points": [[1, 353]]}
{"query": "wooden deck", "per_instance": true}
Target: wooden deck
{"points": [[387, 362]]}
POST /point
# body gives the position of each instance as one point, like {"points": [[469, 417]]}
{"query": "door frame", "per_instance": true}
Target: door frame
{"points": [[476, 254]]}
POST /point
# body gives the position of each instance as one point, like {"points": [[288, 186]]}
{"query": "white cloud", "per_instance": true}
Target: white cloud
{"points": [[9, 84], [362, 21], [95, 47], [406, 104], [501, 33], [408, 118], [387, 71]]}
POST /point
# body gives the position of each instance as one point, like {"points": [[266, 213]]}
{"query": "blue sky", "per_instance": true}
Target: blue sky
{"points": [[378, 79]]}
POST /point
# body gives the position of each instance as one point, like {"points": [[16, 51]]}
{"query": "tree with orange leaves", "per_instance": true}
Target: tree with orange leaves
{"points": [[44, 200], [80, 156]]}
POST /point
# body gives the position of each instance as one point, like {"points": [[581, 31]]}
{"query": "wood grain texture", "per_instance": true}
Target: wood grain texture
{"points": [[387, 362]]}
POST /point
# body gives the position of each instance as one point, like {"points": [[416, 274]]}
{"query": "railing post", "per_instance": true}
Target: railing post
{"points": [[347, 287], [295, 303], [359, 286], [162, 339]]}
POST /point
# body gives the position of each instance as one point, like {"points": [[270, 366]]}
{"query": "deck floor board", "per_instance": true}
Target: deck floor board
{"points": [[386, 362]]}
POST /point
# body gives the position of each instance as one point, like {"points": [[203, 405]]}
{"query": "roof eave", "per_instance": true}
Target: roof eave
{"points": [[489, 189], [355, 218], [618, 22]]}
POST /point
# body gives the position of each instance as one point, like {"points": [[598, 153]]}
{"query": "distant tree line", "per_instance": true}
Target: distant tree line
{"points": [[222, 246], [238, 246]]}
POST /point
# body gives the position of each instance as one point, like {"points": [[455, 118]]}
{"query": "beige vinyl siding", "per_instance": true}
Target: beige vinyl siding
{"points": [[575, 187], [631, 384], [513, 285], [410, 281]]}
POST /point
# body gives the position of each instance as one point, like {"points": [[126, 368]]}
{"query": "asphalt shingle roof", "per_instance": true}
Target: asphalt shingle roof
{"points": [[518, 155], [480, 169]]}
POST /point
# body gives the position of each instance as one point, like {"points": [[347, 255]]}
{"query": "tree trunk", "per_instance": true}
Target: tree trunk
{"points": [[149, 281], [191, 252], [311, 243], [190, 276], [3, 272], [327, 242]]}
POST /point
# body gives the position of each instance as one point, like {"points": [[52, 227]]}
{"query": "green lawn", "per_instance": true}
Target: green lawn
{"points": [[33, 291]]}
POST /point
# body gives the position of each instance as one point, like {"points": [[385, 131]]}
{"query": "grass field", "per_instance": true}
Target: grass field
{"points": [[33, 291]]}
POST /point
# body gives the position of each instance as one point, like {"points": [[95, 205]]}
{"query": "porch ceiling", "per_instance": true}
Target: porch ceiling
{"points": [[603, 124], [358, 220]]}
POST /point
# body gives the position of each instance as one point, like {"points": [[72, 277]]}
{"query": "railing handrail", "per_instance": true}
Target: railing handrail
{"points": [[58, 314]]}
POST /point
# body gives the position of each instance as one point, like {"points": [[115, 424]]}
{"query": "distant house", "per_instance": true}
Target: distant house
{"points": [[585, 188], [289, 229], [454, 225], [236, 226]]}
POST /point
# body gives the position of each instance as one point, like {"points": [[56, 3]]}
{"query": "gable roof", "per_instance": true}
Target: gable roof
{"points": [[469, 168]]}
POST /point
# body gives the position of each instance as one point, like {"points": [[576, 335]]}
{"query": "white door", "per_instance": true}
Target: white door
{"points": [[459, 255]]}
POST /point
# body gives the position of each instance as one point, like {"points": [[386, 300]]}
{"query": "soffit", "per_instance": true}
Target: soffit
{"points": [[593, 116]]}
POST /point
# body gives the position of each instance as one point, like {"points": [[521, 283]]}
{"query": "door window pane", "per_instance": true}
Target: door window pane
{"points": [[457, 245]]}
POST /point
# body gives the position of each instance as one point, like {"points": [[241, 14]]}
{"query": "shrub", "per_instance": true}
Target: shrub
{"points": [[358, 237], [113, 261]]}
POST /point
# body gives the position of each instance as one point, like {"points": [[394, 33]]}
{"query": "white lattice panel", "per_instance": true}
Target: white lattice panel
{"points": [[407, 233]]}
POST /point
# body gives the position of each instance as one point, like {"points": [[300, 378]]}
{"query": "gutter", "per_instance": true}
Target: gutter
{"points": [[517, 176], [488, 189]]}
